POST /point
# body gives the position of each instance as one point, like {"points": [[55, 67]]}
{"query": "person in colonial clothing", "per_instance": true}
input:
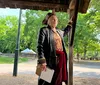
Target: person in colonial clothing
{"points": [[51, 50]]}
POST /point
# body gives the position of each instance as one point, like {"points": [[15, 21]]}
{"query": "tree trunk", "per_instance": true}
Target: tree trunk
{"points": [[85, 51], [78, 56]]}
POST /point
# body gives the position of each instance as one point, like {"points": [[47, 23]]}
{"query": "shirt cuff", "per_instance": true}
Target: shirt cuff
{"points": [[41, 60]]}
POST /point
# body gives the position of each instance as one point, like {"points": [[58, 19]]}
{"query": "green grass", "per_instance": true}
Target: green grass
{"points": [[95, 60], [9, 60]]}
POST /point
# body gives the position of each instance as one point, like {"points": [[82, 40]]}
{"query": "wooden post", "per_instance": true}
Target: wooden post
{"points": [[53, 11], [71, 39], [17, 46]]}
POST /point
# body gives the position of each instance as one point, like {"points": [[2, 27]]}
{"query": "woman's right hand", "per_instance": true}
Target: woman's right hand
{"points": [[43, 67]]}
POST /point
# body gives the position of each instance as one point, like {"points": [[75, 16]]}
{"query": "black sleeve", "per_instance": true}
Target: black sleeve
{"points": [[67, 29], [40, 50]]}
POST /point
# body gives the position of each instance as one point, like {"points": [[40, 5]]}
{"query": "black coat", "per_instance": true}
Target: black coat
{"points": [[46, 46]]}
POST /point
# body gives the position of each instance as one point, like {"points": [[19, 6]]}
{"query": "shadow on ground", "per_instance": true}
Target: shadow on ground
{"points": [[32, 80]]}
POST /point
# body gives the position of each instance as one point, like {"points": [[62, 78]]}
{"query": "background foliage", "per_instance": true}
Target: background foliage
{"points": [[86, 43]]}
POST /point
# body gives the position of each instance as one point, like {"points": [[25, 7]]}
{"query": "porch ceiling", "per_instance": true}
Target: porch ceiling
{"points": [[58, 5]]}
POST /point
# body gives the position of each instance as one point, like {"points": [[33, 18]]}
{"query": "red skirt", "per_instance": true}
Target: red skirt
{"points": [[61, 73]]}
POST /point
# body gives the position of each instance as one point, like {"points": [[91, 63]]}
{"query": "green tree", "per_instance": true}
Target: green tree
{"points": [[8, 29]]}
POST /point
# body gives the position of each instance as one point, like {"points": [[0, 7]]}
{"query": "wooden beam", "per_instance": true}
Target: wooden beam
{"points": [[53, 11], [42, 4], [2, 3], [71, 39], [36, 5], [66, 2], [74, 21], [58, 5]]}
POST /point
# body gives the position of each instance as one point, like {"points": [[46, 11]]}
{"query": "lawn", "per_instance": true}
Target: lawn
{"points": [[10, 60]]}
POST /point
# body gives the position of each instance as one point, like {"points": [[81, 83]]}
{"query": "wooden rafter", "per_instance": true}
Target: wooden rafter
{"points": [[58, 5]]}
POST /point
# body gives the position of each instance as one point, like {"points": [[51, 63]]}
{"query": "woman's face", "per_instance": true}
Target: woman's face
{"points": [[53, 21]]}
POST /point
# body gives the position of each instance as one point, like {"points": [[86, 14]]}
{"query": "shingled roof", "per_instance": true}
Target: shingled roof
{"points": [[58, 5]]}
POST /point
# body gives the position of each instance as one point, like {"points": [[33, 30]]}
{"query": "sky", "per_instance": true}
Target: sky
{"points": [[98, 36], [8, 11]]}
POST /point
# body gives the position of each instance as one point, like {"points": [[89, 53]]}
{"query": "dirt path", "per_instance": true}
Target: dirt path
{"points": [[87, 70], [79, 69], [32, 80], [84, 74]]}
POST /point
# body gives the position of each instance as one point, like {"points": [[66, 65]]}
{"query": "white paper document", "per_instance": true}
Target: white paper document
{"points": [[47, 75]]}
